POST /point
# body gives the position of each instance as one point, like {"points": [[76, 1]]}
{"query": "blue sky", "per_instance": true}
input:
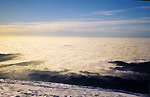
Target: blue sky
{"points": [[116, 18]]}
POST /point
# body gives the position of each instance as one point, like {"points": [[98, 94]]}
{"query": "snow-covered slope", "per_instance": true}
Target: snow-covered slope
{"points": [[16, 88]]}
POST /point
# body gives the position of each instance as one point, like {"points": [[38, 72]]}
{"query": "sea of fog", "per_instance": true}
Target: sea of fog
{"points": [[116, 63]]}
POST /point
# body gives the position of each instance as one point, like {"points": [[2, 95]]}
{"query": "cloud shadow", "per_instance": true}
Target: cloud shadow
{"points": [[7, 57], [109, 82], [143, 67], [23, 64]]}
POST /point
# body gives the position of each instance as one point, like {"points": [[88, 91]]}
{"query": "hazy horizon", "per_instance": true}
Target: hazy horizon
{"points": [[75, 18]]}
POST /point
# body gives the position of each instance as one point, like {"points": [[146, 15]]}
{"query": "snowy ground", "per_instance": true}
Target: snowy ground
{"points": [[16, 88]]}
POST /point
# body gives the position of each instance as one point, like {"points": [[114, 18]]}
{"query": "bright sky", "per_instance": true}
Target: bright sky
{"points": [[116, 18]]}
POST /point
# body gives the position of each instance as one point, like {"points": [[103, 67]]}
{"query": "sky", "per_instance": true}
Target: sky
{"points": [[104, 18]]}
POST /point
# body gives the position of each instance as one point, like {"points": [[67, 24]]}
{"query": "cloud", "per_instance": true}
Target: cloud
{"points": [[108, 31], [105, 12], [113, 12], [143, 7], [72, 26]]}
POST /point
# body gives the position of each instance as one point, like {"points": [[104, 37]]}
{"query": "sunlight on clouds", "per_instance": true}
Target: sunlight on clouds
{"points": [[12, 28]]}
